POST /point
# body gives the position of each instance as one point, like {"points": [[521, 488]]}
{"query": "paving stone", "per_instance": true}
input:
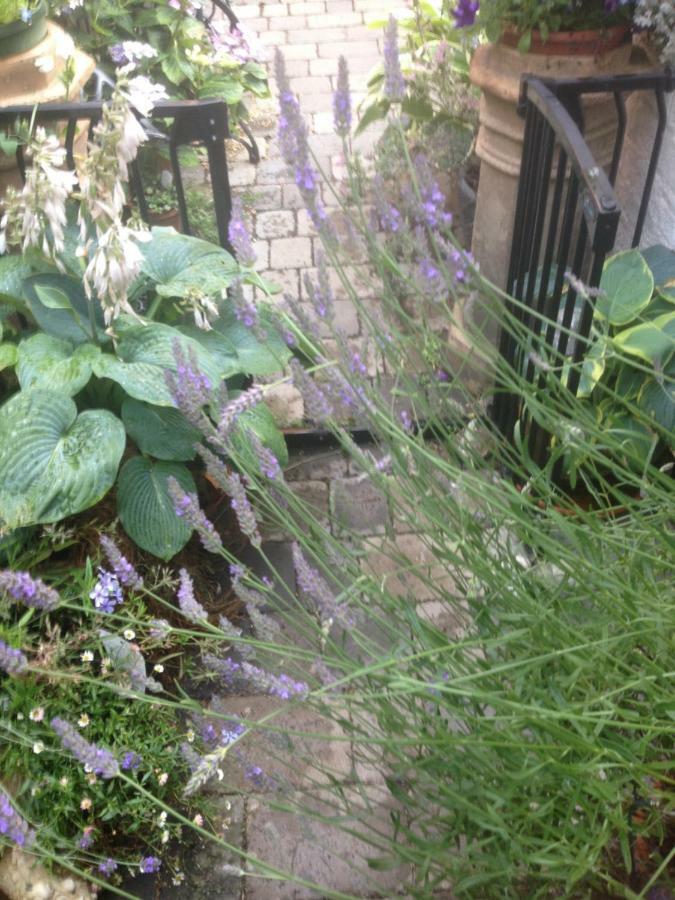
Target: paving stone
{"points": [[275, 223], [272, 38], [290, 253], [317, 466], [300, 51], [285, 279], [286, 405], [320, 852], [309, 9], [320, 35], [291, 198], [409, 568], [316, 84], [261, 250], [275, 9], [297, 68], [312, 493], [288, 23], [338, 20], [272, 171], [266, 197], [357, 507], [204, 860], [348, 48], [241, 174]]}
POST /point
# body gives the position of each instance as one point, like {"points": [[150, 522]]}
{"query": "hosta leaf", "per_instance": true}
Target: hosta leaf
{"points": [[54, 463], [255, 358], [627, 285], [220, 348], [66, 320], [661, 261], [145, 508], [652, 341], [13, 270], [140, 380], [177, 263], [45, 361], [260, 420], [657, 400], [159, 431], [593, 367], [7, 356]]}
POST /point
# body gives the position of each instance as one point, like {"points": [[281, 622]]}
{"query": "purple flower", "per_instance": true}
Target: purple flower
{"points": [[149, 865], [12, 825], [107, 867], [94, 759], [394, 84], [406, 419], [342, 104], [294, 146], [245, 311], [131, 761], [12, 660], [317, 406], [320, 292], [190, 389], [124, 571], [30, 591], [117, 54], [189, 606], [243, 510], [244, 674], [87, 838], [239, 236], [107, 593], [267, 461], [229, 415], [430, 209], [465, 13], [187, 507], [311, 583]]}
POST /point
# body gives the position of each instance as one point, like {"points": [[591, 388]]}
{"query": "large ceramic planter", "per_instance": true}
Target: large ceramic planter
{"points": [[19, 36], [497, 69]]}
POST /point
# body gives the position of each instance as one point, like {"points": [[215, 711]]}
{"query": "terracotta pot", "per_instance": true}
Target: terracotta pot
{"points": [[571, 43], [168, 219], [497, 69], [16, 37]]}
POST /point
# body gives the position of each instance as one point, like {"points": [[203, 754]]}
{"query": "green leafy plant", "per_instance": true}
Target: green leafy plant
{"points": [[13, 10], [83, 397], [172, 45]]}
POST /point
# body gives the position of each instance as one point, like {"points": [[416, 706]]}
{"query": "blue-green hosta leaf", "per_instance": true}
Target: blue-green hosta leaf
{"points": [[593, 367], [177, 263], [145, 508], [54, 463], [657, 400], [67, 318], [159, 431], [260, 420], [45, 361], [661, 261], [220, 348], [144, 352], [652, 341], [13, 270], [255, 358], [7, 356], [627, 285]]}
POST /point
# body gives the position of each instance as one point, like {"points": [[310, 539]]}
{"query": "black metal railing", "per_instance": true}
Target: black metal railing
{"points": [[179, 123], [566, 220]]}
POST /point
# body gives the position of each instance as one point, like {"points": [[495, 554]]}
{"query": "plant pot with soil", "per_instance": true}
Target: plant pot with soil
{"points": [[22, 26]]}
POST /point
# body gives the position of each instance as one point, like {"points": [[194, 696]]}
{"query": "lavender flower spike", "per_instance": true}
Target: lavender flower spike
{"points": [[189, 606], [13, 825], [187, 508], [94, 759], [125, 572], [394, 84], [267, 461], [243, 510], [229, 415], [245, 311], [12, 660], [465, 13], [29, 591], [190, 389], [239, 236], [244, 674], [342, 104], [317, 406], [311, 583], [320, 292]]}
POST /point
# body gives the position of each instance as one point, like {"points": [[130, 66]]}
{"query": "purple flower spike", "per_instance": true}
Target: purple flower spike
{"points": [[229, 415], [131, 761], [317, 406], [12, 825], [465, 13], [394, 83], [311, 583], [125, 572], [342, 104], [189, 605], [107, 867], [107, 593], [187, 508], [245, 310], [149, 865], [29, 591], [190, 389], [267, 461], [94, 759], [12, 660], [320, 292], [239, 236], [243, 510], [243, 674]]}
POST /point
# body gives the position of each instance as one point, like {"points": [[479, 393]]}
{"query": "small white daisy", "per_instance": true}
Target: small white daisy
{"points": [[158, 667], [163, 778], [87, 656], [85, 804], [83, 721], [129, 634], [37, 714], [38, 747], [198, 820]]}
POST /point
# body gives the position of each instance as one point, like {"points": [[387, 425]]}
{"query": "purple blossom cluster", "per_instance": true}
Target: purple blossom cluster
{"points": [[394, 83], [12, 660], [238, 235], [243, 674], [149, 864], [245, 311], [189, 605], [317, 404], [466, 10], [107, 592], [130, 761], [320, 292], [33, 592], [231, 412], [86, 839], [190, 389], [315, 587], [267, 461], [187, 508], [294, 147], [125, 573], [12, 825], [429, 210], [94, 759], [342, 104], [107, 867], [243, 510]]}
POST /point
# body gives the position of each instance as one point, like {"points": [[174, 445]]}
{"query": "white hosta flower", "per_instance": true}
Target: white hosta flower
{"points": [[135, 51], [203, 308], [144, 94], [113, 268], [130, 140]]}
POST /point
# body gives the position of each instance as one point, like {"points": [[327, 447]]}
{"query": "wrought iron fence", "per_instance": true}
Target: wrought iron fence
{"points": [[566, 220]]}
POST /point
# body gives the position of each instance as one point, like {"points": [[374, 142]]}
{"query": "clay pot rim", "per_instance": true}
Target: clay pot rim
{"points": [[589, 42]]}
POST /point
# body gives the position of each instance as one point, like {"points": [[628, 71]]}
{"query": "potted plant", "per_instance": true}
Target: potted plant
{"points": [[22, 25], [161, 199]]}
